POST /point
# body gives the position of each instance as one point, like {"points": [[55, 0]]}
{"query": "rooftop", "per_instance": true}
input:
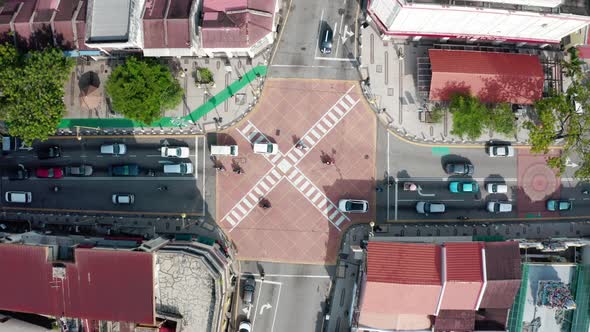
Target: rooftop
{"points": [[167, 31], [110, 20]]}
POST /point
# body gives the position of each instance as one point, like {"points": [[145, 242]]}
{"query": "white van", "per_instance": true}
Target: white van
{"points": [[224, 150], [181, 168], [266, 148], [19, 197]]}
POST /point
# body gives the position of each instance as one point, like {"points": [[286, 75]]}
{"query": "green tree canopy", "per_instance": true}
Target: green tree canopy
{"points": [[142, 89], [471, 117], [32, 87], [565, 118]]}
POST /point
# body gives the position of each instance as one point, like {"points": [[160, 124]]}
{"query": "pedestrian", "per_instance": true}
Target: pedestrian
{"points": [[379, 189], [238, 170]]}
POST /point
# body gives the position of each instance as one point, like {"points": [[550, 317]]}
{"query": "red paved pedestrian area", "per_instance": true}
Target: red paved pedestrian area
{"points": [[303, 223], [537, 183]]}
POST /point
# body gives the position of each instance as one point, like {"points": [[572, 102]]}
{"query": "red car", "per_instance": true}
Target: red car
{"points": [[50, 172]]}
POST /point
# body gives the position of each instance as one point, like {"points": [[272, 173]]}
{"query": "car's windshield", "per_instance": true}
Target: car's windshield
{"points": [[355, 206]]}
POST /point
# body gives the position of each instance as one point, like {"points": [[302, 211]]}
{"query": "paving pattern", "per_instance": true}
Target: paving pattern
{"points": [[537, 183], [311, 121]]}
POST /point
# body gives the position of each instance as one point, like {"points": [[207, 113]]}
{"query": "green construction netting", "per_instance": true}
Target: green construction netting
{"points": [[517, 310]]}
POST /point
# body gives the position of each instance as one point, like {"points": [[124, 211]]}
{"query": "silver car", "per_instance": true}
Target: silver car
{"points": [[181, 168], [127, 199], [114, 149], [79, 170], [353, 205]]}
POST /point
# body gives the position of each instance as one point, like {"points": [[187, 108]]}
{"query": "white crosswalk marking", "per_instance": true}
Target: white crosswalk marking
{"points": [[252, 196], [269, 179], [247, 128], [333, 117], [235, 214], [247, 203], [241, 208], [299, 152], [264, 186], [230, 220], [303, 186], [299, 180], [292, 157], [276, 158], [292, 175], [337, 109], [309, 140], [258, 191], [340, 220], [334, 214], [316, 197], [319, 125], [349, 99], [311, 191], [275, 173], [315, 133], [327, 123]]}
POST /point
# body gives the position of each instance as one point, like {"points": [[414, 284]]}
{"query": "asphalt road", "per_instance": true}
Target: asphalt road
{"points": [[292, 297], [298, 54], [93, 193]]}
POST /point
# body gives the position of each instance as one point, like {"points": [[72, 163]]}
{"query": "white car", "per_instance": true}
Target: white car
{"points": [[430, 207], [181, 168], [499, 207], [18, 197], [266, 148], [175, 152], [501, 151], [114, 149], [127, 199], [353, 205], [496, 188], [245, 326]]}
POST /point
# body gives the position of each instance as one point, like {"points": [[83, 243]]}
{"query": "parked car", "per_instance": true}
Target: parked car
{"points": [[181, 168], [499, 207], [224, 150], [49, 152], [123, 199], [496, 188], [559, 205], [22, 197], [79, 170], [49, 172], [248, 289], [430, 207], [326, 40], [353, 205], [245, 326], [463, 187], [19, 173], [266, 148], [501, 151], [124, 170], [459, 169], [175, 151], [116, 149]]}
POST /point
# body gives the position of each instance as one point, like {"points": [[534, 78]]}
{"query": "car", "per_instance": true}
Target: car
{"points": [[175, 151], [19, 173], [124, 170], [353, 205], [49, 152], [430, 207], [499, 207], [245, 326], [326, 40], [127, 199], [496, 188], [79, 170], [18, 197], [463, 187], [248, 289], [115, 149], [181, 168], [459, 169], [49, 172], [559, 205], [501, 151], [266, 148]]}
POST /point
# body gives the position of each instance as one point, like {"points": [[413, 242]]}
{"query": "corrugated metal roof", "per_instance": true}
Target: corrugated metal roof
{"points": [[404, 263], [99, 284], [464, 261], [492, 77]]}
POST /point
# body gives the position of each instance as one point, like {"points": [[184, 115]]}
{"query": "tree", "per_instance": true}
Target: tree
{"points": [[142, 89], [469, 116], [564, 118], [32, 87], [501, 119]]}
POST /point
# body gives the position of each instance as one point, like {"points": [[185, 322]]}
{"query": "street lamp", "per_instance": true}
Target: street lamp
{"points": [[183, 216], [78, 137]]}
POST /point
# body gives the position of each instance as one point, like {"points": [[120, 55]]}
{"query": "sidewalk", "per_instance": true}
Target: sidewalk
{"points": [[390, 70], [238, 85]]}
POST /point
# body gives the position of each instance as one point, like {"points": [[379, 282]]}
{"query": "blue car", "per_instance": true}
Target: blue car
{"points": [[463, 187], [558, 205]]}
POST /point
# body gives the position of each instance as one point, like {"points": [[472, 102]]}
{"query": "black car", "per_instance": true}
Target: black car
{"points": [[459, 169], [248, 289], [19, 173], [326, 40], [124, 170], [49, 152]]}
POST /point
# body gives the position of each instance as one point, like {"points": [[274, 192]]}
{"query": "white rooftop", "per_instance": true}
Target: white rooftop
{"points": [[110, 20]]}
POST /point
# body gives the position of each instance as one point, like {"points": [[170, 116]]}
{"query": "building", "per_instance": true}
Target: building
{"points": [[231, 28], [91, 282], [114, 25], [492, 77], [519, 21], [455, 286]]}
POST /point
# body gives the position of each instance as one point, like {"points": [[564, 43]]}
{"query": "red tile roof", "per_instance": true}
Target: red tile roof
{"points": [[99, 284], [171, 31], [492, 77], [464, 261], [404, 263], [242, 28], [455, 320], [503, 270]]}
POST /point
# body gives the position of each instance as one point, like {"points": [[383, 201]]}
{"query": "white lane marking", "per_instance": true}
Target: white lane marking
{"points": [[445, 179], [315, 53], [321, 276], [276, 308], [257, 299], [388, 175], [325, 59], [432, 200], [340, 220]]}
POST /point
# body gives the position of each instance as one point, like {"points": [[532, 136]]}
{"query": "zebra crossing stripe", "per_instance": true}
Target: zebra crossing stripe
{"points": [[349, 99], [304, 185], [340, 220], [340, 113], [299, 179], [246, 129], [334, 214], [236, 215], [307, 138], [239, 206], [269, 179], [259, 139], [275, 158], [299, 152], [231, 221], [258, 191], [247, 202], [334, 118], [315, 133], [264, 186], [327, 122], [310, 192], [276, 174], [292, 157], [316, 197], [319, 125], [327, 210], [252, 135], [344, 105], [252, 196], [292, 175], [323, 203]]}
